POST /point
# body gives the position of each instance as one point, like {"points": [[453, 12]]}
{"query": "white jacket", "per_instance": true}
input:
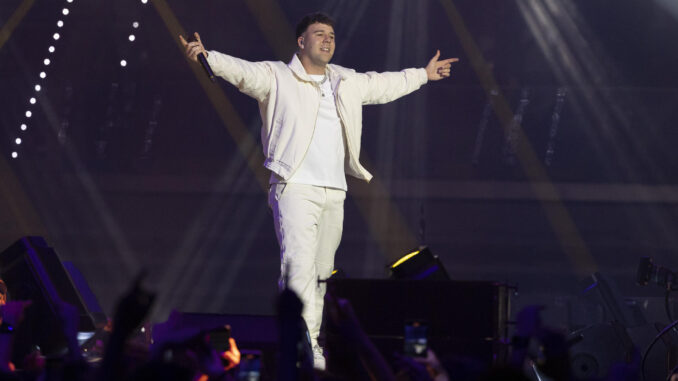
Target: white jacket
{"points": [[289, 100]]}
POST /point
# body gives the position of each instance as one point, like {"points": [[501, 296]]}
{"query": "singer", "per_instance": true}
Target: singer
{"points": [[312, 123]]}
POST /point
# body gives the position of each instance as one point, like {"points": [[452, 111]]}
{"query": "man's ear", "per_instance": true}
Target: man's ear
{"points": [[300, 42]]}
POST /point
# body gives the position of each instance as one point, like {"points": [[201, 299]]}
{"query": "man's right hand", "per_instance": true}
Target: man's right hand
{"points": [[193, 48]]}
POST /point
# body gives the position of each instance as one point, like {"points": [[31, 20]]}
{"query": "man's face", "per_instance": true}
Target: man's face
{"points": [[317, 43]]}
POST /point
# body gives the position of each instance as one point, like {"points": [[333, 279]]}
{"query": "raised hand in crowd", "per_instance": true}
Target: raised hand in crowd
{"points": [[296, 360], [425, 368], [186, 346], [132, 309], [231, 356]]}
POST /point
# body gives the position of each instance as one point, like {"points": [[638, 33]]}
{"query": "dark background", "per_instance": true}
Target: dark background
{"points": [[148, 165]]}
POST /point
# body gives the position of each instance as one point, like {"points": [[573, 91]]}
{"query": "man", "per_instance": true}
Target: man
{"points": [[312, 122]]}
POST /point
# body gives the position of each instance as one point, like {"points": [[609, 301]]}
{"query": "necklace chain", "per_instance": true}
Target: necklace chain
{"points": [[323, 81], [320, 85]]}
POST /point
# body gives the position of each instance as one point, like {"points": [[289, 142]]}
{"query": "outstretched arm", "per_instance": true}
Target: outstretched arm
{"points": [[389, 86], [436, 70], [252, 78]]}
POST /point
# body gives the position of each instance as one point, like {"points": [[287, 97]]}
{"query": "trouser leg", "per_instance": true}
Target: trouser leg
{"points": [[308, 222], [330, 228], [296, 212]]}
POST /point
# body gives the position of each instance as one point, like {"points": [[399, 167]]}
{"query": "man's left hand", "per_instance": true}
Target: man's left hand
{"points": [[436, 70]]}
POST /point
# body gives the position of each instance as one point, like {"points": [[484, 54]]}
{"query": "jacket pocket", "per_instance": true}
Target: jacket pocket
{"points": [[275, 192], [279, 190]]}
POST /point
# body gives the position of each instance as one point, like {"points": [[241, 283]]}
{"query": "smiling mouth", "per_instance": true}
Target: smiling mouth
{"points": [[325, 49]]}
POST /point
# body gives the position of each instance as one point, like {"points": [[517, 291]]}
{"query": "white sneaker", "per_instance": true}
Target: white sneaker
{"points": [[318, 358]]}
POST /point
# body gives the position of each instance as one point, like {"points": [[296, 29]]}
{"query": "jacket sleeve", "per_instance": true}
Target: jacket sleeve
{"points": [[251, 78], [389, 86]]}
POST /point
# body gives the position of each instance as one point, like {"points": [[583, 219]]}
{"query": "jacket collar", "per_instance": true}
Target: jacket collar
{"points": [[298, 69]]}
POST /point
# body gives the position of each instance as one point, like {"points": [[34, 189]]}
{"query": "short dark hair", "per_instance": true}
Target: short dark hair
{"points": [[312, 18]]}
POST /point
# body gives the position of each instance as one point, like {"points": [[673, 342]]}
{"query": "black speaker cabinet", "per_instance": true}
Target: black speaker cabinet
{"points": [[33, 271], [463, 318]]}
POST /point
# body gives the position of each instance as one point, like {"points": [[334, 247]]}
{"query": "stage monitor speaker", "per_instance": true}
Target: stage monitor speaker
{"points": [[33, 271], [86, 294], [463, 318], [419, 264]]}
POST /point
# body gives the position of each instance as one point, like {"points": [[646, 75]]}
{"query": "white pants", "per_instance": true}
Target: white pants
{"points": [[308, 223]]}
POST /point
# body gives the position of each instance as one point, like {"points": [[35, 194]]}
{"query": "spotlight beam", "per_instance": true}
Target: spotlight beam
{"points": [[559, 217], [128, 258], [245, 142], [274, 25], [20, 210], [14, 20], [222, 105]]}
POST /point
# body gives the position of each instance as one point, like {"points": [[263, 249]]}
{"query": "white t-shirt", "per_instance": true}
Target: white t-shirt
{"points": [[323, 164]]}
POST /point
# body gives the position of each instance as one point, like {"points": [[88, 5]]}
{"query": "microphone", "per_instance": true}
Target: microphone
{"points": [[208, 70]]}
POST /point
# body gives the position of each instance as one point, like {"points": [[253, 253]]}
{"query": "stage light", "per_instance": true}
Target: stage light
{"points": [[51, 48], [17, 141], [23, 127], [70, 1], [38, 88], [56, 36], [144, 1], [28, 113], [46, 61], [15, 155], [131, 37], [43, 75], [123, 63], [32, 100], [135, 24], [419, 264], [65, 11], [404, 258], [338, 274], [60, 24]]}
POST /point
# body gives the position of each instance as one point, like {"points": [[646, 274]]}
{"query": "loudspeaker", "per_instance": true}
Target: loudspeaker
{"points": [[33, 271], [464, 318], [418, 265], [86, 295]]}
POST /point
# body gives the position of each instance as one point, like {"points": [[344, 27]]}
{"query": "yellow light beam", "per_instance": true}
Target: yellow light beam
{"points": [[274, 26], [388, 226], [246, 144], [22, 218], [564, 227], [14, 20]]}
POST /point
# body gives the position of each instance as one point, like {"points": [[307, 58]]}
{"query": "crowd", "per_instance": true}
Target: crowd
{"points": [[179, 354]]}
